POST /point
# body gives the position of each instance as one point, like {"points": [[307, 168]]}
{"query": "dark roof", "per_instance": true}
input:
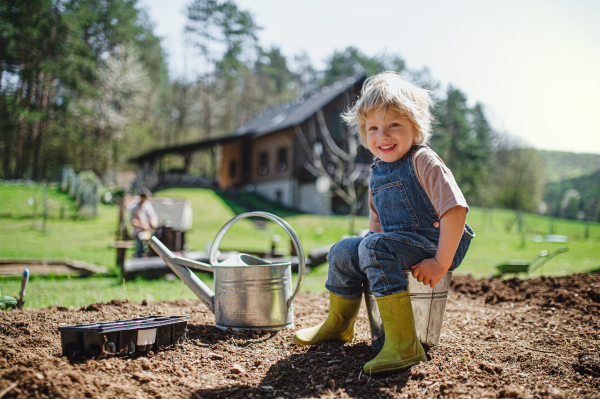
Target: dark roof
{"points": [[183, 148], [296, 111], [277, 117]]}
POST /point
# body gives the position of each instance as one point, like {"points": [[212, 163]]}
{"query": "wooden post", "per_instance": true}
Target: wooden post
{"points": [[121, 251], [45, 212], [187, 160], [122, 247], [587, 229], [95, 199]]}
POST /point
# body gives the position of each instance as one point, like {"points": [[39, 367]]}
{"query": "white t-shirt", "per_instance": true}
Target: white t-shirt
{"points": [[145, 213]]}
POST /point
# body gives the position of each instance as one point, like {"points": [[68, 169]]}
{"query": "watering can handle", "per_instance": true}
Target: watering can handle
{"points": [[212, 258]]}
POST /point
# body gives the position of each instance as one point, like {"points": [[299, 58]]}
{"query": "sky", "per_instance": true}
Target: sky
{"points": [[534, 65]]}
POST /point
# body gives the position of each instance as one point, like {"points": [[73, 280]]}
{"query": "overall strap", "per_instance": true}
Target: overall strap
{"points": [[424, 197], [412, 150]]}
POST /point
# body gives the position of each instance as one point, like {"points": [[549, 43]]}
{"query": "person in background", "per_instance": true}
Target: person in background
{"points": [[144, 221]]}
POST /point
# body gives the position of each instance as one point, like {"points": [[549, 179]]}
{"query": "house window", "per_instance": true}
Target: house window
{"points": [[263, 162], [232, 168], [282, 159]]}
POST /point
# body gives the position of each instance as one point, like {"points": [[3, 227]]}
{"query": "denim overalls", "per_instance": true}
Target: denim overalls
{"points": [[407, 218]]}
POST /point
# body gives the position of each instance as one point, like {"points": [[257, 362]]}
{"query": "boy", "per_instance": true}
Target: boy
{"points": [[417, 222]]}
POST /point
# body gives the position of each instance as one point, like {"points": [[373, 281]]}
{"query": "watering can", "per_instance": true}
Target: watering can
{"points": [[250, 293]]}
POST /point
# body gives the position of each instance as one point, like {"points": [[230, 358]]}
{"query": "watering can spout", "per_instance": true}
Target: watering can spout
{"points": [[185, 274]]}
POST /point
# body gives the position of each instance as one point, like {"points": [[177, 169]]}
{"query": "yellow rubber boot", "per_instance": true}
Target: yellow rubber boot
{"points": [[339, 325], [402, 349]]}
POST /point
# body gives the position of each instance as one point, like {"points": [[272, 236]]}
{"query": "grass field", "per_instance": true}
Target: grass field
{"points": [[21, 234], [89, 240]]}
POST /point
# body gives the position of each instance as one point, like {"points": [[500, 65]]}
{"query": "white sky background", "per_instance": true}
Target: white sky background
{"points": [[534, 64]]}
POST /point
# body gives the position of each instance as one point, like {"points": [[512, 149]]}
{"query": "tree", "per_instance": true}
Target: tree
{"points": [[31, 36], [351, 62], [304, 73], [574, 198], [126, 92], [518, 175], [334, 166], [54, 53], [224, 35], [463, 138]]}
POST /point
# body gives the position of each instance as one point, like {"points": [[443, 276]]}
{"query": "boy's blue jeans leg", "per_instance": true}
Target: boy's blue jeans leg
{"points": [[378, 258], [345, 279]]}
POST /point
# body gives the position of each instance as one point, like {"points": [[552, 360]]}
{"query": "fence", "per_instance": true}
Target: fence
{"points": [[84, 188]]}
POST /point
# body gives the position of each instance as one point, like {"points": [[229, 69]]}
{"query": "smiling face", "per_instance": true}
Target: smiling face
{"points": [[389, 135]]}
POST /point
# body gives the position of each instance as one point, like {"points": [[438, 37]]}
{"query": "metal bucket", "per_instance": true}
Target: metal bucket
{"points": [[429, 307], [254, 297]]}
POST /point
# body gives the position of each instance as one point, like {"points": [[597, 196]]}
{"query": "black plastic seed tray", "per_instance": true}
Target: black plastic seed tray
{"points": [[122, 337]]}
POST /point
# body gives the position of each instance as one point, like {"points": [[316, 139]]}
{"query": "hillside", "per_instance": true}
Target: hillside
{"points": [[560, 165], [574, 198]]}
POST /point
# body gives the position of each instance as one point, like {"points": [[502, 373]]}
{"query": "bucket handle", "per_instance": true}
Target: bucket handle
{"points": [[212, 258]]}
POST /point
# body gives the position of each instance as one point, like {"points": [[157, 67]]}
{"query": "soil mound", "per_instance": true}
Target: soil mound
{"points": [[578, 291]]}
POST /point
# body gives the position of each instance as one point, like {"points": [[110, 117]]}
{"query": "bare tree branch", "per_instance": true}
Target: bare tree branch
{"points": [[303, 142], [329, 140], [320, 172], [328, 160]]}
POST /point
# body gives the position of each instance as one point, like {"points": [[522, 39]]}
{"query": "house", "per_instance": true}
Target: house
{"points": [[297, 153]]}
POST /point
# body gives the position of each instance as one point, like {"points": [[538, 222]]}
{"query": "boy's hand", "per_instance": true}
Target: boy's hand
{"points": [[452, 223], [429, 272]]}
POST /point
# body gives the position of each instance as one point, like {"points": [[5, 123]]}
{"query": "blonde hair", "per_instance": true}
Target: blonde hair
{"points": [[391, 92]]}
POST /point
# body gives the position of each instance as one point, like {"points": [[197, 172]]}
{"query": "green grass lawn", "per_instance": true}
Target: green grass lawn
{"points": [[26, 201], [21, 235], [89, 240], [496, 243], [61, 291]]}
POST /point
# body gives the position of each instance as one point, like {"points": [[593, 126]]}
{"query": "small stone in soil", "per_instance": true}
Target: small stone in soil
{"points": [[214, 356], [237, 369], [418, 374]]}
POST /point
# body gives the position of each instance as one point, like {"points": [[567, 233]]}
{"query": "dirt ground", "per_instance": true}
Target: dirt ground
{"points": [[501, 338]]}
